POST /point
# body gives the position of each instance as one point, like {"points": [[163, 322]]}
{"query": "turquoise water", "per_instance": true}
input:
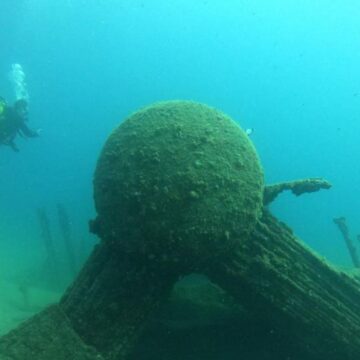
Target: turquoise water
{"points": [[288, 69]]}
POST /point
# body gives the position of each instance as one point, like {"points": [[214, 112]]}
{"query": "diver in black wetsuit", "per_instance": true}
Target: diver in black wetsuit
{"points": [[13, 122]]}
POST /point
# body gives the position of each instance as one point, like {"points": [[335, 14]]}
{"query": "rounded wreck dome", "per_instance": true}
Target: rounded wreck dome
{"points": [[178, 180]]}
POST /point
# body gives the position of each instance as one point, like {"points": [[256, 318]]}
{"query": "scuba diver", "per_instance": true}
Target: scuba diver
{"points": [[13, 122]]}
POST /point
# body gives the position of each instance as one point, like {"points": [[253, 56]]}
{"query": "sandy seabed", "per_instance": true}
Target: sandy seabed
{"points": [[18, 303]]}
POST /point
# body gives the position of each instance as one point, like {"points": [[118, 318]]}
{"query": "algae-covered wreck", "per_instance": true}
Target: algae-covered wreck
{"points": [[179, 189]]}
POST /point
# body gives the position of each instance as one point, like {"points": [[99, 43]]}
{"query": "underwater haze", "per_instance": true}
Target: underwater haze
{"points": [[289, 70]]}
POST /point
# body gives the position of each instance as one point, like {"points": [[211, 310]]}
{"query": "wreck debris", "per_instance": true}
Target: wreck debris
{"points": [[65, 229], [292, 288], [297, 187], [152, 232], [342, 225], [51, 262]]}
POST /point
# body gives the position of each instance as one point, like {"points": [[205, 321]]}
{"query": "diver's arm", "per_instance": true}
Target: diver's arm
{"points": [[25, 130]]}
